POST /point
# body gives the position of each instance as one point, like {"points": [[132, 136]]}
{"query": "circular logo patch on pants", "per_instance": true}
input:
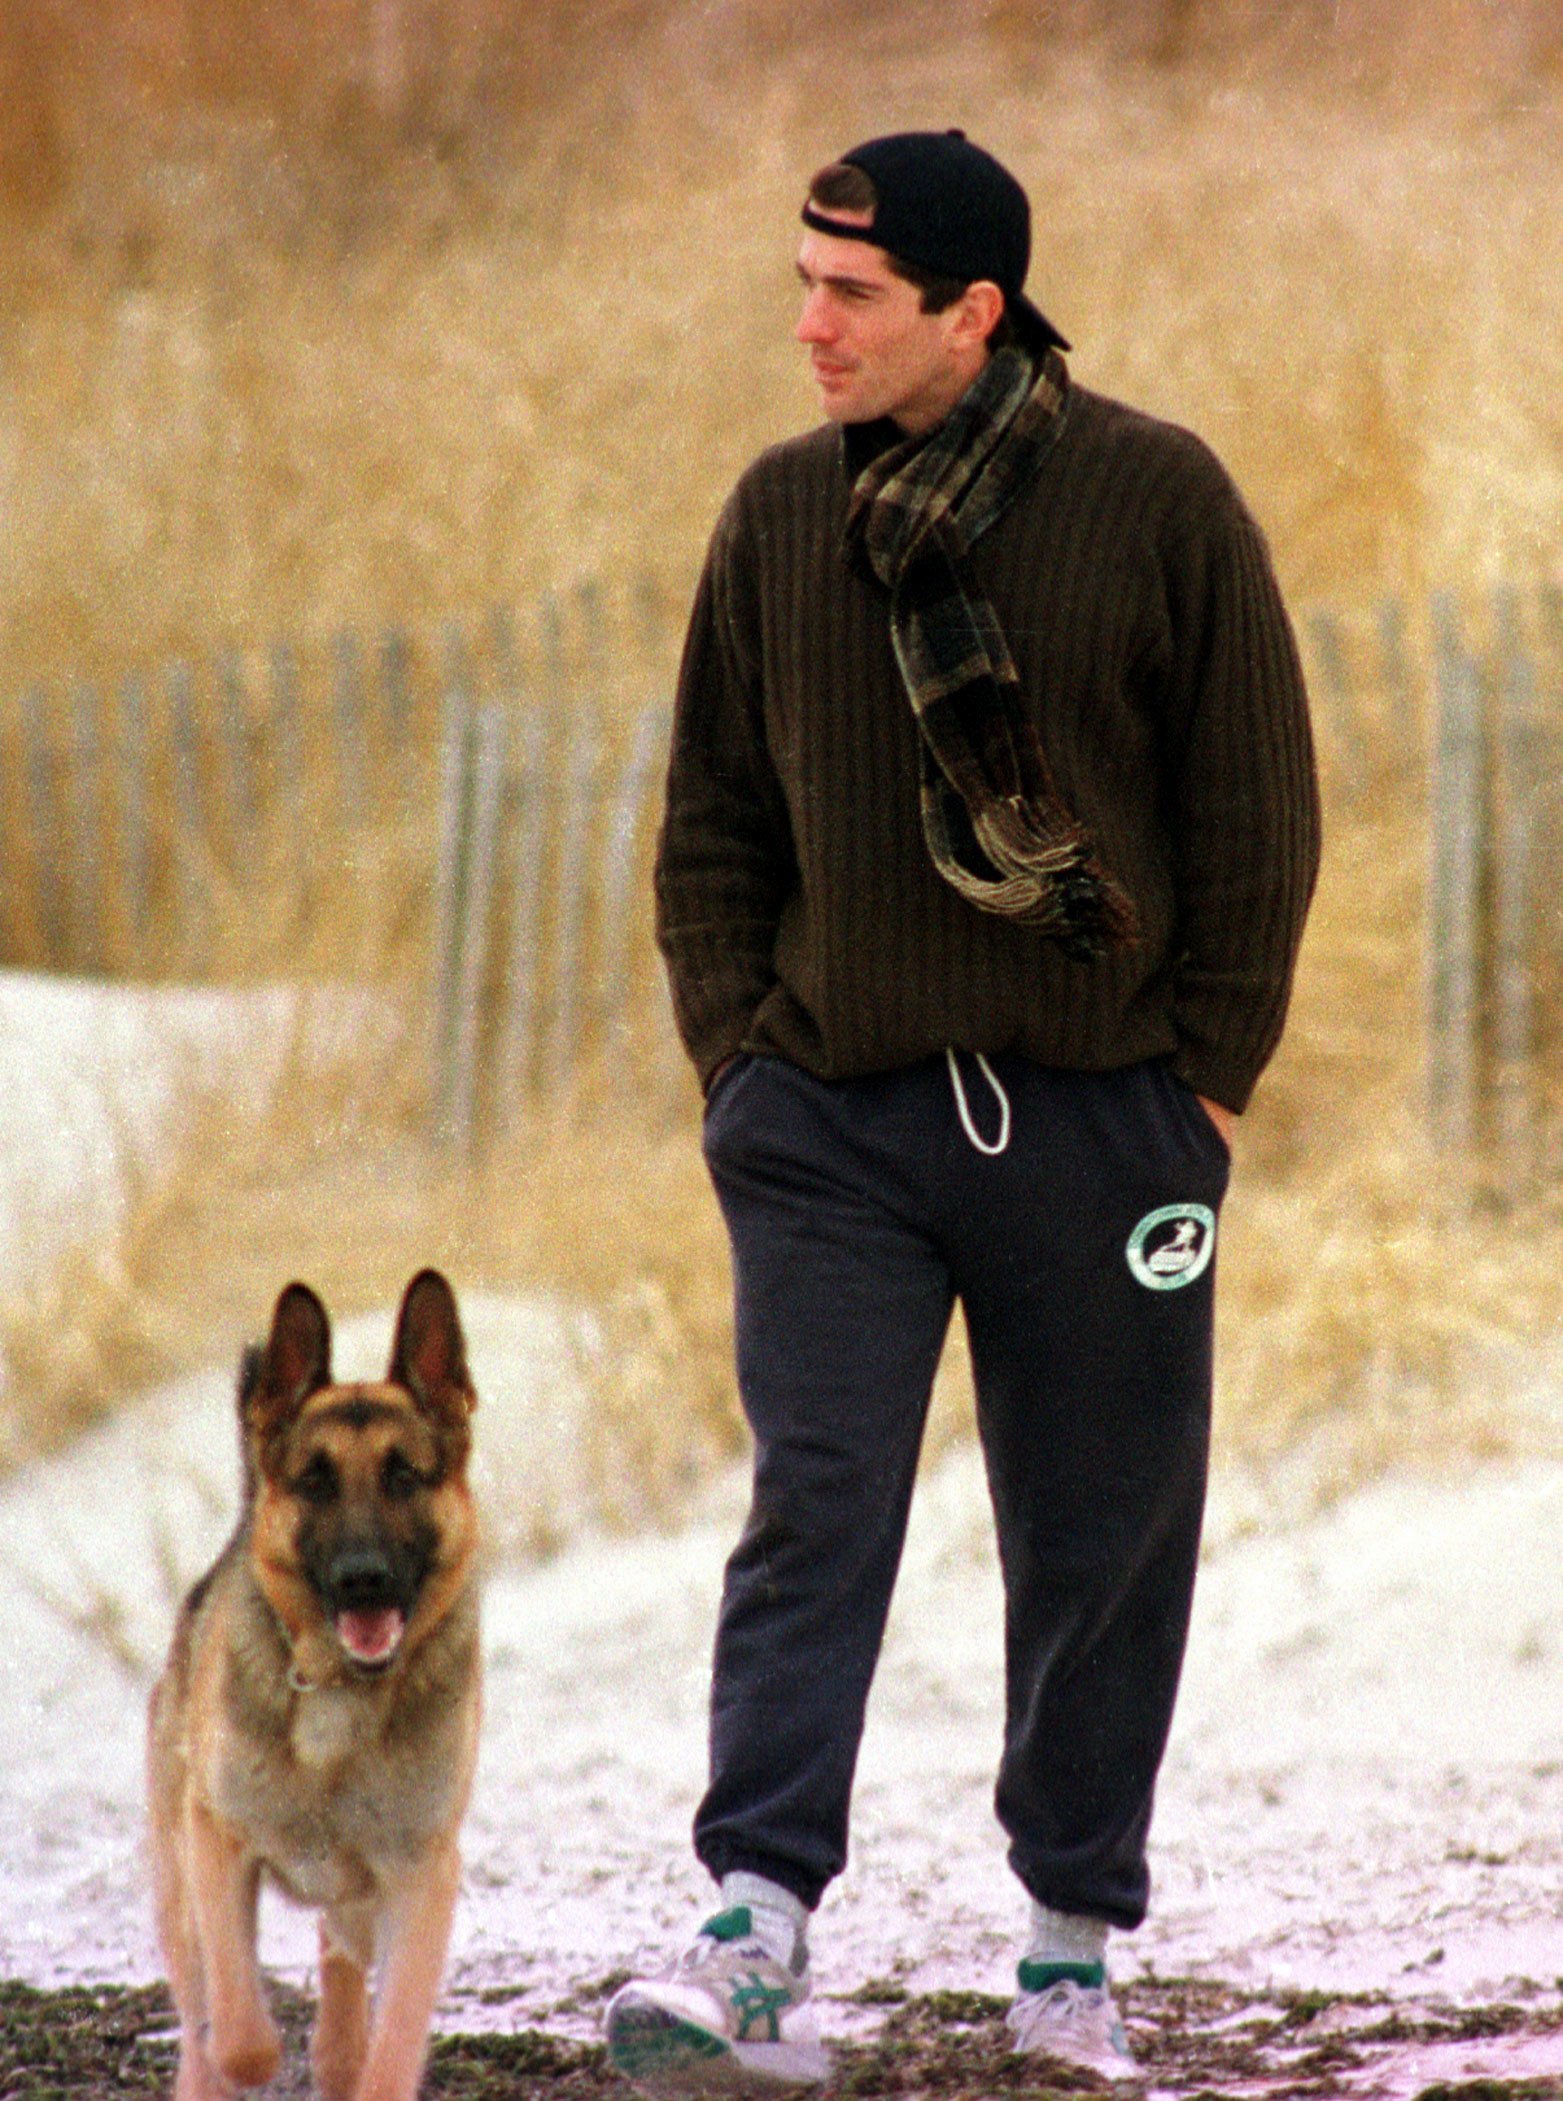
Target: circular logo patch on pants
{"points": [[1171, 1247]]}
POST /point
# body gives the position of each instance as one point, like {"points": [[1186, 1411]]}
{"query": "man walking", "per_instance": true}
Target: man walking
{"points": [[991, 827]]}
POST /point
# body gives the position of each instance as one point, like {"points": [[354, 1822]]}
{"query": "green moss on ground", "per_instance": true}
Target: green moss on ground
{"points": [[1199, 2041]]}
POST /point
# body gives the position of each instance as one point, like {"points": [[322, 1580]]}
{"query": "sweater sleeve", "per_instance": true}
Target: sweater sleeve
{"points": [[724, 858], [1245, 808]]}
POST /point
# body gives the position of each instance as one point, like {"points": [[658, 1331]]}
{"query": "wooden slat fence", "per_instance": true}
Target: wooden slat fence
{"points": [[1455, 710], [543, 950], [515, 763], [510, 765], [144, 805]]}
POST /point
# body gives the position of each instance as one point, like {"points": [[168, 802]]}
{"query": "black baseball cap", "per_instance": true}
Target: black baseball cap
{"points": [[947, 206]]}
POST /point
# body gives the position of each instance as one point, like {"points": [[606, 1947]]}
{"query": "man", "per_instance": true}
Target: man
{"points": [[991, 827]]}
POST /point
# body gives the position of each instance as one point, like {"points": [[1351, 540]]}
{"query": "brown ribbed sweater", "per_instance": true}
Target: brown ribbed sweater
{"points": [[797, 906]]}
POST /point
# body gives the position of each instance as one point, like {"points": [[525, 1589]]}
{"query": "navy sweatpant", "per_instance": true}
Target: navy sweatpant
{"points": [[859, 1211]]}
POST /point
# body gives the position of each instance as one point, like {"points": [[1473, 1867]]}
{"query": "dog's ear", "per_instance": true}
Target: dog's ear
{"points": [[276, 1382], [429, 1355]]}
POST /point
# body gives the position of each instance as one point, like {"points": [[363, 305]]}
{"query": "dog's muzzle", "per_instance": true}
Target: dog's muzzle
{"points": [[368, 1612]]}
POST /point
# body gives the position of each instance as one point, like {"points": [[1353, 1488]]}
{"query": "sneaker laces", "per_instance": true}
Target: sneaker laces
{"points": [[727, 1946], [706, 1952], [1079, 2013], [731, 1965]]}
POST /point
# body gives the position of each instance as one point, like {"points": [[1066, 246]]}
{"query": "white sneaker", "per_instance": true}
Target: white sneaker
{"points": [[1074, 2022], [726, 2018]]}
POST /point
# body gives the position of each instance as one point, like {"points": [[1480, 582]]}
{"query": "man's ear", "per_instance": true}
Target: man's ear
{"points": [[977, 313]]}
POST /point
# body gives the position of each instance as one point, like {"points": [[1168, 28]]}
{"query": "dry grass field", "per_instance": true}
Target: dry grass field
{"points": [[269, 368], [394, 310]]}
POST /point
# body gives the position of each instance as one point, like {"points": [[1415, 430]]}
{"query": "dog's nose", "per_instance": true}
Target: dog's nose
{"points": [[361, 1578]]}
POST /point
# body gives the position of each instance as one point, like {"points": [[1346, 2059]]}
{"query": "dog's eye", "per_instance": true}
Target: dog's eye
{"points": [[318, 1482], [399, 1478]]}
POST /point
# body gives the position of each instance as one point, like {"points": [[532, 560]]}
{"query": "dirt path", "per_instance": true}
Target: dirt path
{"points": [[1197, 2041]]}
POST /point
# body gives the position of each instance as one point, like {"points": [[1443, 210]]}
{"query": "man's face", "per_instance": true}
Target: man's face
{"points": [[873, 349]]}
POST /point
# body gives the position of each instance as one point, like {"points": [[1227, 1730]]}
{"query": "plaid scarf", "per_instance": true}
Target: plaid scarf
{"points": [[995, 824]]}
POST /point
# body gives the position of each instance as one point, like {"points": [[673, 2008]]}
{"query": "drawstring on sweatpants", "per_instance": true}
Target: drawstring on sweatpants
{"points": [[961, 1103]]}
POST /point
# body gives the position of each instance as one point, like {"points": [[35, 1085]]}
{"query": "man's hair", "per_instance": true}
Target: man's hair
{"points": [[841, 187]]}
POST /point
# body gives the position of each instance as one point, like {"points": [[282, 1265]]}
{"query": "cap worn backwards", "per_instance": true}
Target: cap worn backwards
{"points": [[947, 206]]}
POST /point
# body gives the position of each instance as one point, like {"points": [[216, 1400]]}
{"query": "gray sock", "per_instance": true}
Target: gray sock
{"points": [[1065, 1937], [780, 1920]]}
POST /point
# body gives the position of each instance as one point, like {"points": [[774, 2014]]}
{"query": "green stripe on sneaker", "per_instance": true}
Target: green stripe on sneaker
{"points": [[734, 1925], [1037, 1976]]}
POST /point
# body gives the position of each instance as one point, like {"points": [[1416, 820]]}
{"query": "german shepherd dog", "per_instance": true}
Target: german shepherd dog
{"points": [[317, 1722]]}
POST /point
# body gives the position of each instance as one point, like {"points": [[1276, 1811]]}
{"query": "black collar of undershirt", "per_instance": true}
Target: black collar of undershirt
{"points": [[862, 443]]}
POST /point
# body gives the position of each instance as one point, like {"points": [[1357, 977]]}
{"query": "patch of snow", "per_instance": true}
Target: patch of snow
{"points": [[89, 1074], [1364, 1788]]}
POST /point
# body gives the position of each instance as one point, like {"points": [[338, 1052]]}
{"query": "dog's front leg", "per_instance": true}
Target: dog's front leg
{"points": [[342, 2022], [417, 1933], [244, 2044], [196, 2081]]}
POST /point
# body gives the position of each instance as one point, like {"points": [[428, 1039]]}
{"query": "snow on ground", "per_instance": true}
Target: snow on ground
{"points": [[1364, 1789], [87, 1075], [90, 1073]]}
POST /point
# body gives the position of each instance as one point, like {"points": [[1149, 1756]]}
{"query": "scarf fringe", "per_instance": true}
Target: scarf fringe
{"points": [[1044, 875], [918, 509]]}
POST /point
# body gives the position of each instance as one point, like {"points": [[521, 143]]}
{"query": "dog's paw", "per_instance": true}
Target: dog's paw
{"points": [[251, 2057]]}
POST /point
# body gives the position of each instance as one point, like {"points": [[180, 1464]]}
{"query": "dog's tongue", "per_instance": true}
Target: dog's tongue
{"points": [[370, 1637]]}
